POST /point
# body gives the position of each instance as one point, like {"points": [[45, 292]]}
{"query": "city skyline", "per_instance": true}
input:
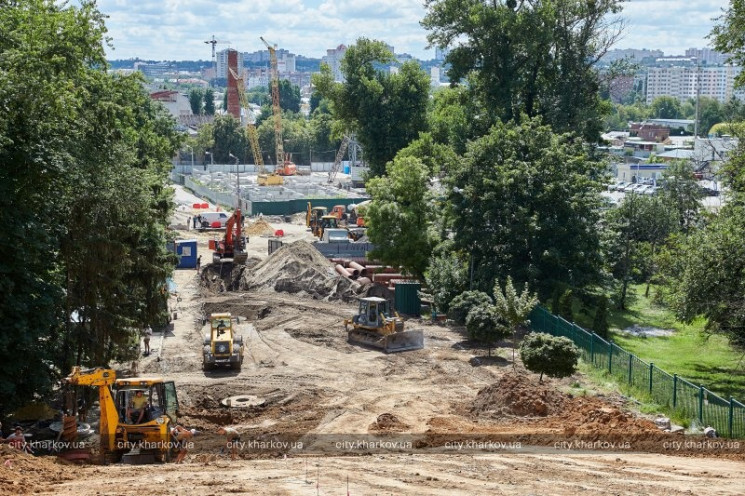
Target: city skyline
{"points": [[177, 29]]}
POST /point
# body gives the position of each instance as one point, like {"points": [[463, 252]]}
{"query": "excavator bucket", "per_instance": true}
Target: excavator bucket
{"points": [[240, 258], [397, 341]]}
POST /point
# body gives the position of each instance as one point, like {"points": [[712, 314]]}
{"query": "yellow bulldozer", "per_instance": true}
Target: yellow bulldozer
{"points": [[136, 414], [376, 326], [222, 346]]}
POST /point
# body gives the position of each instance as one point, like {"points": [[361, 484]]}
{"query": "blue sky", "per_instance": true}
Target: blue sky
{"points": [[177, 29]]}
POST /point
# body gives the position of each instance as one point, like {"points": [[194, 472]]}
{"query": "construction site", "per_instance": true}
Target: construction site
{"points": [[293, 363], [321, 411]]}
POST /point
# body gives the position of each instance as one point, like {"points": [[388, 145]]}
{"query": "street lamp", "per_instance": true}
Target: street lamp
{"points": [[192, 155], [212, 161]]}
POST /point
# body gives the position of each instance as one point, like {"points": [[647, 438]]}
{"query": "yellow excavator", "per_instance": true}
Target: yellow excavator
{"points": [[375, 326], [138, 429]]}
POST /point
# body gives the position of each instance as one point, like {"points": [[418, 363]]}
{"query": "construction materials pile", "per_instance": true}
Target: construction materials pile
{"points": [[259, 228], [21, 472], [298, 268]]}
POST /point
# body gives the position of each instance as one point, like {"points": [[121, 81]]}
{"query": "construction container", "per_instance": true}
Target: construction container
{"points": [[407, 298], [186, 249]]}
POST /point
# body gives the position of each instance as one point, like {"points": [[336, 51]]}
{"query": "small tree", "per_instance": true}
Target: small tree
{"points": [[600, 322], [462, 304], [513, 309], [565, 305], [545, 354], [484, 325]]}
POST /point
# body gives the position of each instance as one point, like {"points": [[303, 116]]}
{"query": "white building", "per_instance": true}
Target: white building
{"points": [[684, 82], [222, 63], [333, 59]]}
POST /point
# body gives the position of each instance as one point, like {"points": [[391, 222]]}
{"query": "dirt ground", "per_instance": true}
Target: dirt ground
{"points": [[321, 416]]}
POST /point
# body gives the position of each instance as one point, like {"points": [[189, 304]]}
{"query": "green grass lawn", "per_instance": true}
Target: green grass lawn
{"points": [[706, 360]]}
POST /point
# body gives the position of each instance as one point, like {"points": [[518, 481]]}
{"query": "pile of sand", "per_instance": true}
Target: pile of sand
{"points": [[516, 395], [300, 268], [20, 472], [259, 227]]}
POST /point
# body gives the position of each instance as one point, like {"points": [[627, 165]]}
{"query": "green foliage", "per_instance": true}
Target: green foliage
{"points": [[446, 277], [209, 101], [708, 279], [449, 117], [565, 305], [386, 111], [525, 203], [534, 59], [437, 157], [85, 158], [512, 308], [462, 304], [229, 137], [399, 216], [289, 96], [666, 107], [196, 101], [545, 354], [600, 322], [727, 35], [681, 194], [484, 325]]}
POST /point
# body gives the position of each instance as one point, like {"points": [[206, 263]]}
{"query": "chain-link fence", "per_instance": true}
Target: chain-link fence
{"points": [[694, 402]]}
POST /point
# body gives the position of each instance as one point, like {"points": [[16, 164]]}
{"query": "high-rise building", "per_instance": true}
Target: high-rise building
{"points": [[333, 59], [707, 56], [222, 62], [687, 82]]}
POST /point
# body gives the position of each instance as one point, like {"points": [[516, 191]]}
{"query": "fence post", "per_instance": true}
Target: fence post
{"points": [[675, 390], [610, 356], [631, 365], [651, 369], [592, 348], [731, 415], [701, 403]]}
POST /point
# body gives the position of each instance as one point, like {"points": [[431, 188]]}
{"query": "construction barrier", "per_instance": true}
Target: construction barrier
{"points": [[696, 403]]}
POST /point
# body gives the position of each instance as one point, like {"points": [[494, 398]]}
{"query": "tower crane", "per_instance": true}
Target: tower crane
{"points": [[284, 166], [213, 41], [264, 179]]}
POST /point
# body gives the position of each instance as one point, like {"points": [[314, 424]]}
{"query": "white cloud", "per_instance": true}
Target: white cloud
{"points": [[177, 29]]}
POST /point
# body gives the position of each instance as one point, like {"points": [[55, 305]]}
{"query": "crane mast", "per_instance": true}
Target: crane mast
{"points": [[275, 105]]}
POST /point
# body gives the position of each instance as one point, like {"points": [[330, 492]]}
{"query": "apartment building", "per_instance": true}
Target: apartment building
{"points": [[684, 82]]}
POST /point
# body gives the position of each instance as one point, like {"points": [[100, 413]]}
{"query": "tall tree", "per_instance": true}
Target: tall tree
{"points": [[728, 35], [386, 111], [399, 215], [681, 193], [525, 204], [196, 101], [666, 107], [229, 138], [289, 96], [209, 101], [534, 58]]}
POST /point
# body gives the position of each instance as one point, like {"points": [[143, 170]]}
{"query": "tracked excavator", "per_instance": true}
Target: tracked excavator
{"points": [[375, 326], [232, 248], [141, 437]]}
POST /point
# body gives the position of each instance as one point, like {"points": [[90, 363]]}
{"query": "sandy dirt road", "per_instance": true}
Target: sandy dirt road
{"points": [[325, 415]]}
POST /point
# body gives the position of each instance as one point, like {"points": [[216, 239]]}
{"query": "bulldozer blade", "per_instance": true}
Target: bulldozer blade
{"points": [[399, 341]]}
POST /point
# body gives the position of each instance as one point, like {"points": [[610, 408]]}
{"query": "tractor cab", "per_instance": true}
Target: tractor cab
{"points": [[159, 399], [373, 312]]}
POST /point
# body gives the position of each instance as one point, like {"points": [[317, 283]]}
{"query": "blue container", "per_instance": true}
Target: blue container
{"points": [[186, 249], [346, 169]]}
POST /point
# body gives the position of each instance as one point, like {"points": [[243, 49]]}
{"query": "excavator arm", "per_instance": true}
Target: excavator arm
{"points": [[102, 379]]}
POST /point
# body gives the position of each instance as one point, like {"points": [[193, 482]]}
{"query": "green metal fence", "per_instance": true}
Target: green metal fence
{"points": [[694, 402]]}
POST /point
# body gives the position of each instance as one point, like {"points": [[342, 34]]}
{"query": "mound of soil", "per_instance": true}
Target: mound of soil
{"points": [[259, 227], [516, 395], [387, 422], [300, 268], [20, 472]]}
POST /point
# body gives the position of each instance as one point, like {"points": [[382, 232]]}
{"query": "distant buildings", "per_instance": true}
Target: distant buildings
{"points": [[333, 59], [687, 82], [222, 62]]}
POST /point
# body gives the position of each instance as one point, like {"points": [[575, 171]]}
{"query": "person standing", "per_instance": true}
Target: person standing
{"points": [[147, 333], [199, 262]]}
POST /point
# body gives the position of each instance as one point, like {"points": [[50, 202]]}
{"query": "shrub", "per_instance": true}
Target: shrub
{"points": [[545, 354], [484, 325], [462, 304]]}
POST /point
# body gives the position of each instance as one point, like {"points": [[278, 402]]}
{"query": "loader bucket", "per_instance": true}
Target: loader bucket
{"points": [[399, 341], [240, 258]]}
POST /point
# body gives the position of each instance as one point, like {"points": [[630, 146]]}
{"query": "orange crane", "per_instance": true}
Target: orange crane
{"points": [[284, 167]]}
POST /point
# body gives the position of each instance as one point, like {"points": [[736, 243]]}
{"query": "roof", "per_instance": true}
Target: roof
{"points": [[677, 153]]}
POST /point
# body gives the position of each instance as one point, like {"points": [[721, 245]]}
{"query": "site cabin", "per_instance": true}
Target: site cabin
{"points": [[222, 347]]}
